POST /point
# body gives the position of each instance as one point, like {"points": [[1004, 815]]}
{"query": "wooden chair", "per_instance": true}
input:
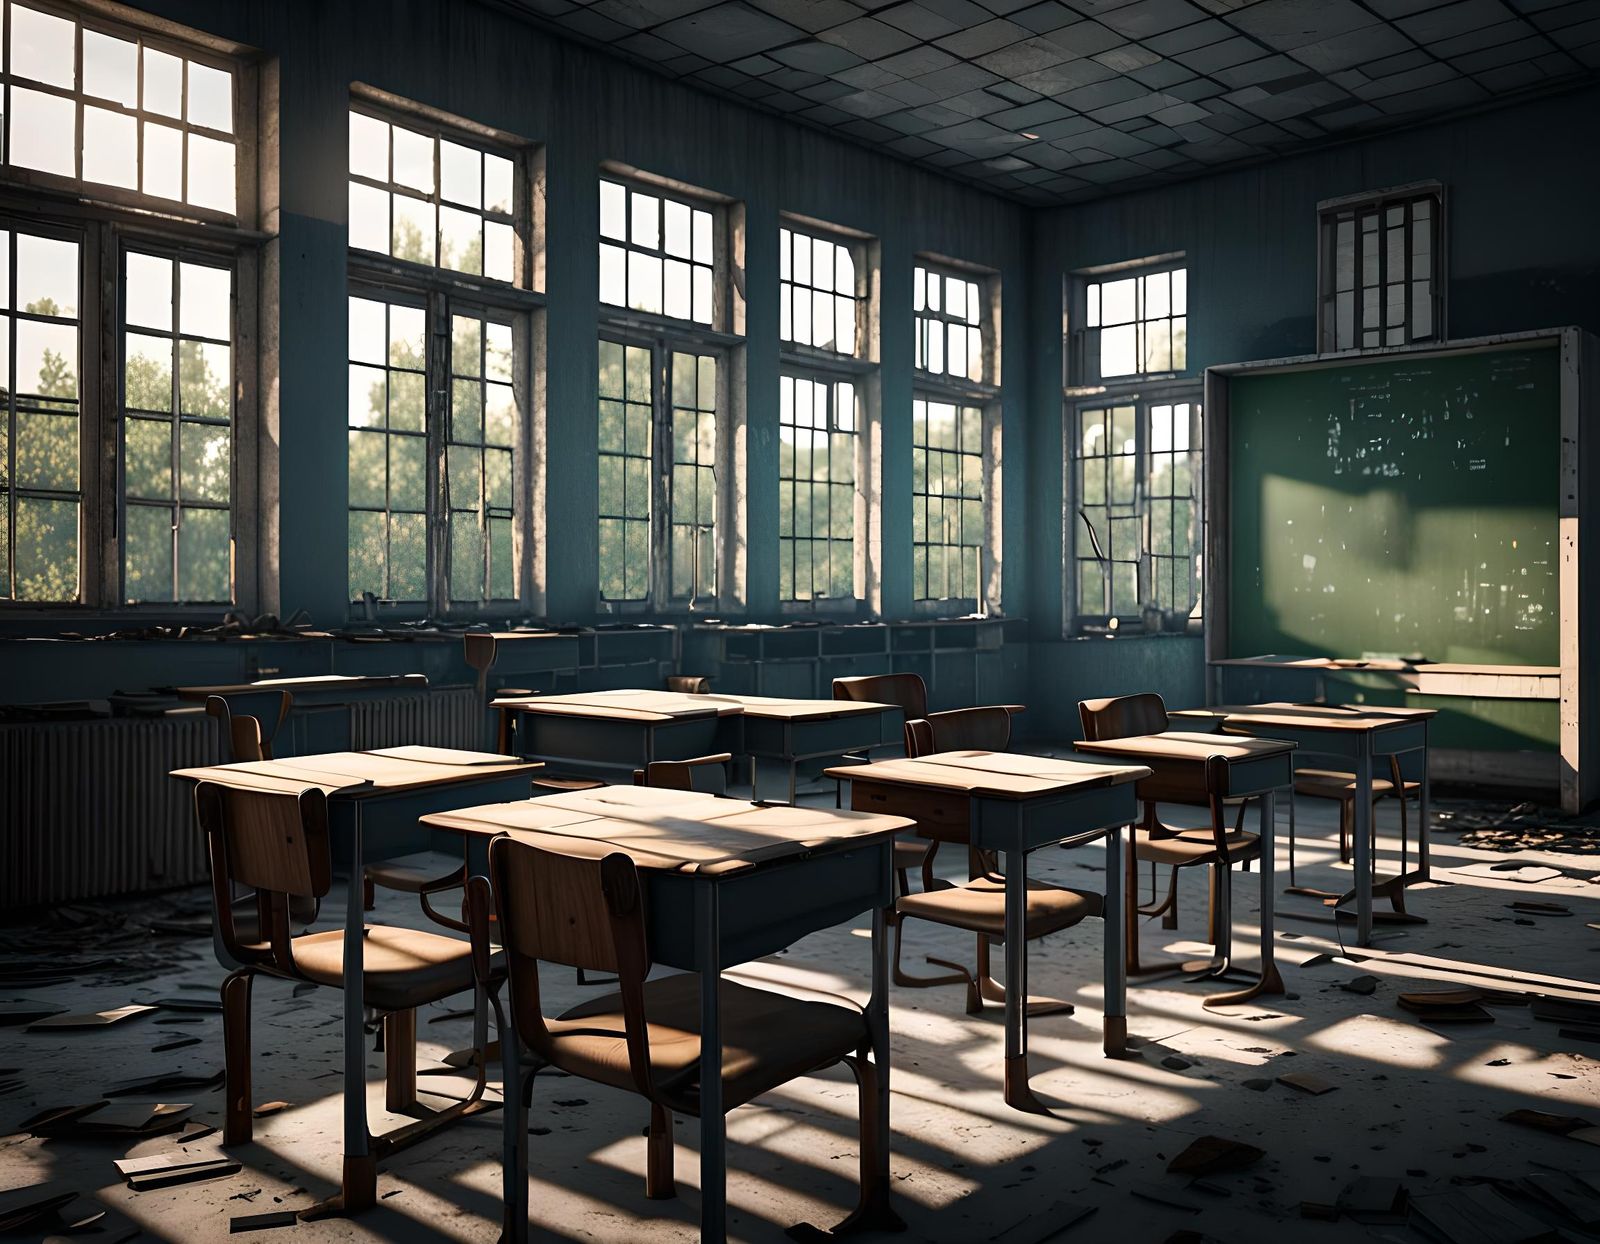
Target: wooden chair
{"points": [[1214, 846], [1340, 787], [276, 843], [708, 774], [587, 910], [979, 905]]}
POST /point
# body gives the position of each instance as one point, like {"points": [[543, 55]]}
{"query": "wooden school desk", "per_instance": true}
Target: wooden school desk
{"points": [[1181, 768], [1351, 736], [1002, 801], [630, 728], [728, 882], [395, 787]]}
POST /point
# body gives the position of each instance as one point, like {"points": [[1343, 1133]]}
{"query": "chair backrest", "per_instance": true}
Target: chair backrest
{"points": [[704, 773], [241, 734], [274, 842], [580, 909], [984, 729], [908, 691], [689, 684], [1123, 716]]}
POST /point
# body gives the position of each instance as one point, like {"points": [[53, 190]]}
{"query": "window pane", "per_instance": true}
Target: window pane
{"points": [[110, 68], [147, 458], [1117, 301], [210, 97], [47, 276], [163, 83], [460, 240], [162, 169], [47, 359], [498, 183], [207, 298], [369, 218], [110, 148], [369, 147], [413, 232], [211, 173], [644, 217], [203, 556], [460, 174], [42, 47], [413, 159], [147, 558], [205, 376], [42, 130], [613, 211], [147, 372]]}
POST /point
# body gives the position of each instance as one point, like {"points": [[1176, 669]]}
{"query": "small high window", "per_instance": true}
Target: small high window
{"points": [[1380, 271]]}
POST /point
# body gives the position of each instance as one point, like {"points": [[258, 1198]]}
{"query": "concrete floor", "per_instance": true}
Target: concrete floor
{"points": [[1413, 1102]]}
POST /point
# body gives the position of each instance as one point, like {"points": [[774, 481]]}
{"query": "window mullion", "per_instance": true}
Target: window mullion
{"points": [[435, 427]]}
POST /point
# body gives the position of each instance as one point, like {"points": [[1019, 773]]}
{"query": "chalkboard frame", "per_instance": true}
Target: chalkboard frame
{"points": [[1578, 508]]}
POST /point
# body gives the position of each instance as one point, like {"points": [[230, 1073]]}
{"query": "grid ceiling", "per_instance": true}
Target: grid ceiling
{"points": [[1066, 100]]}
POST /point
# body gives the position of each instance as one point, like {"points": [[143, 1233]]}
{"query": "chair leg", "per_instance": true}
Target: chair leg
{"points": [[1169, 909], [369, 894], [1291, 837], [1347, 814], [238, 1125], [400, 1061], [873, 1211], [992, 990], [658, 1180]]}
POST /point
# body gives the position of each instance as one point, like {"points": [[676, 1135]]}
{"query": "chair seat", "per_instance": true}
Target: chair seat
{"points": [[415, 873], [1336, 784], [767, 1039], [403, 968], [980, 906], [1198, 849], [549, 784]]}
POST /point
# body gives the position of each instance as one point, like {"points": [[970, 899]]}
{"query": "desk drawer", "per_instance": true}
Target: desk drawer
{"points": [[944, 815]]}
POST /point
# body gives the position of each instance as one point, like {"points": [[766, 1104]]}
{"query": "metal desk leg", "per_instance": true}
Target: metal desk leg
{"points": [[1115, 1035], [1269, 981], [1362, 848], [1422, 812], [514, 1135], [713, 1137], [1017, 1092], [874, 1212], [359, 1183]]}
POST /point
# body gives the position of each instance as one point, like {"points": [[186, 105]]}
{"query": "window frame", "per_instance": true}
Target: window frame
{"points": [[1081, 364], [862, 487], [1076, 545], [662, 345], [105, 220], [723, 308], [438, 305], [215, 53], [987, 388], [443, 292], [527, 214], [1329, 212]]}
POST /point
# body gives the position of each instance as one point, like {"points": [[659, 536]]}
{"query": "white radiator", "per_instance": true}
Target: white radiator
{"points": [[88, 809]]}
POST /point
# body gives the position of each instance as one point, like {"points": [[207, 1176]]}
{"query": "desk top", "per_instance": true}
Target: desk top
{"points": [[621, 705], [1387, 665], [996, 775], [363, 774], [673, 831], [315, 682], [659, 706], [1182, 747], [1323, 717]]}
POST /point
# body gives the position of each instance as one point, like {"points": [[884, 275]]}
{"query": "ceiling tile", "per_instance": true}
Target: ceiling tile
{"points": [[1029, 56], [1286, 24], [868, 38], [728, 32], [814, 56], [989, 36], [1452, 19], [812, 15], [914, 19], [1151, 17]]}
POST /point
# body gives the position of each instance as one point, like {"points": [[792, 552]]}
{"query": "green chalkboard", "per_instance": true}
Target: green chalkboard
{"points": [[1401, 506]]}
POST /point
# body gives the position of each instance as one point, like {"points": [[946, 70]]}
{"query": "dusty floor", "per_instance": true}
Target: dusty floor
{"points": [[1419, 1104]]}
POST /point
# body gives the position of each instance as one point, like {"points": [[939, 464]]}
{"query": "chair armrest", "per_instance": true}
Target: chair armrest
{"points": [[480, 905]]}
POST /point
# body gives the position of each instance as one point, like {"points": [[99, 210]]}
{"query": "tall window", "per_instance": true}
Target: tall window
{"points": [[818, 421], [825, 484], [663, 396], [947, 528], [438, 360], [127, 421], [1137, 517], [94, 104], [658, 405], [1134, 325], [425, 197], [178, 405], [39, 488], [657, 253], [1380, 278], [952, 457]]}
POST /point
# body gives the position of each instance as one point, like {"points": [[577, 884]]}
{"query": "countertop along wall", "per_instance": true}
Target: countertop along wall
{"points": [[1523, 254]]}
